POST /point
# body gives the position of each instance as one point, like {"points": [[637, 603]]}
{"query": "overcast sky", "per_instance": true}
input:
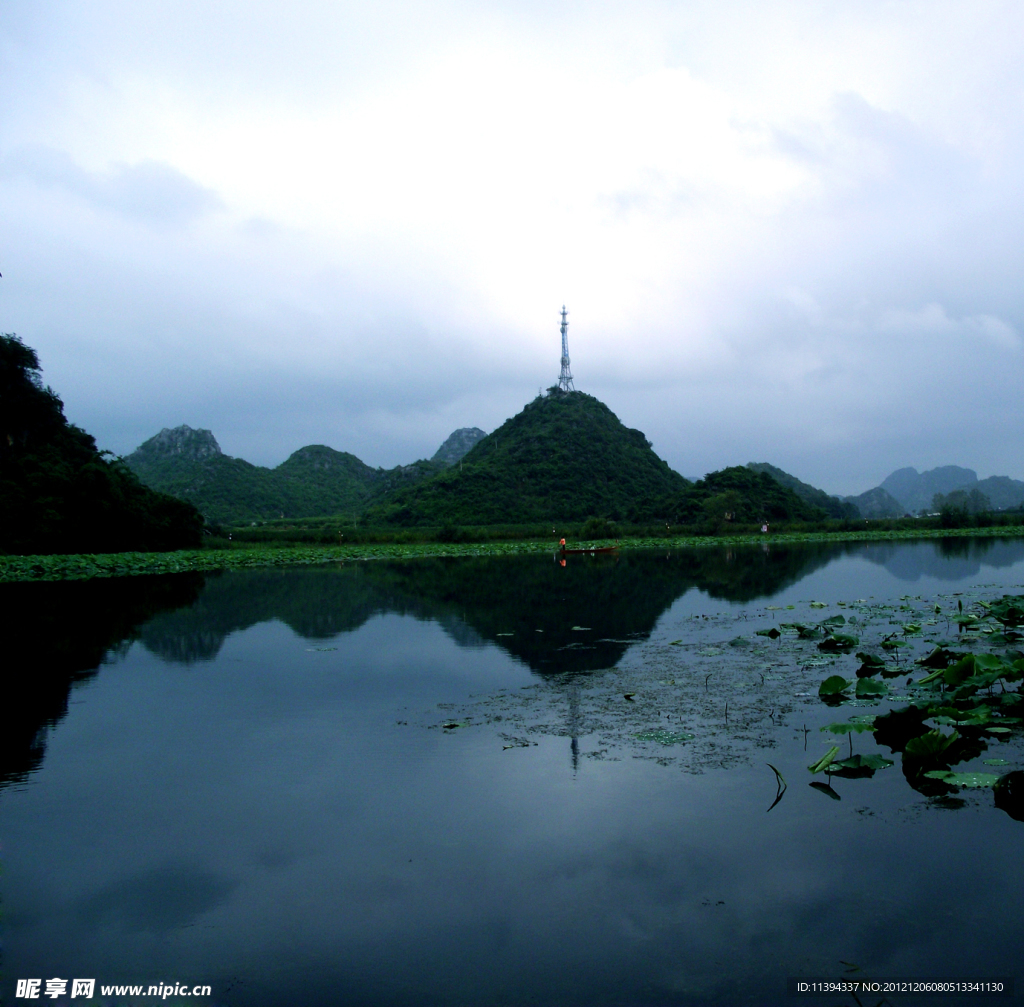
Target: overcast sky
{"points": [[786, 232]]}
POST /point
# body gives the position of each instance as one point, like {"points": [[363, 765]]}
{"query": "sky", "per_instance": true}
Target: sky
{"points": [[787, 232]]}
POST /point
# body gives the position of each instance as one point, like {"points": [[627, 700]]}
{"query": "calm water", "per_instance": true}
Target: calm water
{"points": [[246, 780]]}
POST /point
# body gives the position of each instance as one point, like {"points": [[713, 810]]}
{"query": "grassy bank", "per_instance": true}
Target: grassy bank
{"points": [[129, 564]]}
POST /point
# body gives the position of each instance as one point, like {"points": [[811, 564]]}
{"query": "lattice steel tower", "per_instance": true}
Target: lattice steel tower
{"points": [[565, 378]]}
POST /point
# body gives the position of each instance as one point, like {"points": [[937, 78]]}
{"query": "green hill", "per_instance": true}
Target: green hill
{"points": [[57, 492], [315, 481], [877, 503], [833, 506], [735, 495], [565, 457]]}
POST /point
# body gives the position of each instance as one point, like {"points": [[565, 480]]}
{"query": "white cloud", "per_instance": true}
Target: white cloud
{"points": [[784, 231]]}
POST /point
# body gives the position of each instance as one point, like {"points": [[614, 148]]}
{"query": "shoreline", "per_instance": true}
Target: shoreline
{"points": [[87, 566]]}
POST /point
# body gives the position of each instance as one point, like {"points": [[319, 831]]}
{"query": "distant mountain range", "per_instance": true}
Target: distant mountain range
{"points": [[565, 456], [315, 481], [906, 491], [916, 490]]}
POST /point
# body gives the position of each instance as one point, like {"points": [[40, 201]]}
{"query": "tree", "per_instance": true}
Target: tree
{"points": [[58, 493], [958, 508]]}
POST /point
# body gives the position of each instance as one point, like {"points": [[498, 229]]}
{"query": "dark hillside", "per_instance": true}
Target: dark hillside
{"points": [[736, 495], [58, 494], [315, 481], [189, 465], [565, 457], [877, 503], [831, 505]]}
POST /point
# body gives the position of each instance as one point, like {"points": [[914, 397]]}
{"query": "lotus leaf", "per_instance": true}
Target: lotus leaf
{"points": [[839, 643], [848, 728], [869, 687], [964, 779], [864, 764], [1009, 611], [772, 633], [957, 674], [932, 743], [825, 760], [870, 660], [833, 686], [940, 657]]}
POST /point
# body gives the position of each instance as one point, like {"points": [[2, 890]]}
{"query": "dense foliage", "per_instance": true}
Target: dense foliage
{"points": [[58, 494], [565, 457], [314, 481], [735, 495], [834, 507]]}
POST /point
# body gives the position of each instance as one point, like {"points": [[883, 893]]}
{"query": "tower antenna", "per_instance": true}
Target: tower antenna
{"points": [[565, 378]]}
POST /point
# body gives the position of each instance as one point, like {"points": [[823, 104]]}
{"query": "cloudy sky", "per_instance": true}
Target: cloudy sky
{"points": [[788, 232]]}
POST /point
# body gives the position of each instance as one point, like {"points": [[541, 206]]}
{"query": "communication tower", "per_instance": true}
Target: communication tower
{"points": [[565, 378]]}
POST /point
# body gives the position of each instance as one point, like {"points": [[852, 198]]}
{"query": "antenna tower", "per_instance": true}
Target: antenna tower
{"points": [[565, 378]]}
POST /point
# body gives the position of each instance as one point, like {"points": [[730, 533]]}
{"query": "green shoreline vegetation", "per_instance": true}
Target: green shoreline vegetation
{"points": [[236, 556]]}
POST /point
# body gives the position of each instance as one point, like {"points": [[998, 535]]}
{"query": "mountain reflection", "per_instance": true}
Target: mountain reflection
{"points": [[533, 608], [57, 636], [527, 605]]}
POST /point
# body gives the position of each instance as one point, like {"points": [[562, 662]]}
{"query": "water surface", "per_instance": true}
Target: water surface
{"points": [[421, 783]]}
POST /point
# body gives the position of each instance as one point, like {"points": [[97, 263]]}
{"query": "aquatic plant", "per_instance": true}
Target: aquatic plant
{"points": [[959, 692]]}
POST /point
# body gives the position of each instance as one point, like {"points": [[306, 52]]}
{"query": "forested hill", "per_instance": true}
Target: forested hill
{"points": [[314, 481], [735, 495], [565, 457], [833, 506], [57, 492]]}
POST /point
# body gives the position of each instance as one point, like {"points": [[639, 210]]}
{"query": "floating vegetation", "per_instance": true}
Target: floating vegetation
{"points": [[86, 566], [947, 707], [958, 692], [664, 737]]}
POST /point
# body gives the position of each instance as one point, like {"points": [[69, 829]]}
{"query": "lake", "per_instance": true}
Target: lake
{"points": [[501, 781]]}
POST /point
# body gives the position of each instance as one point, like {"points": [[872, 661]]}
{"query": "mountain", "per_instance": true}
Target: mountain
{"points": [[877, 503], [833, 506], [57, 492], [737, 494], [1004, 492], [315, 481], [915, 490], [565, 457], [458, 445]]}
